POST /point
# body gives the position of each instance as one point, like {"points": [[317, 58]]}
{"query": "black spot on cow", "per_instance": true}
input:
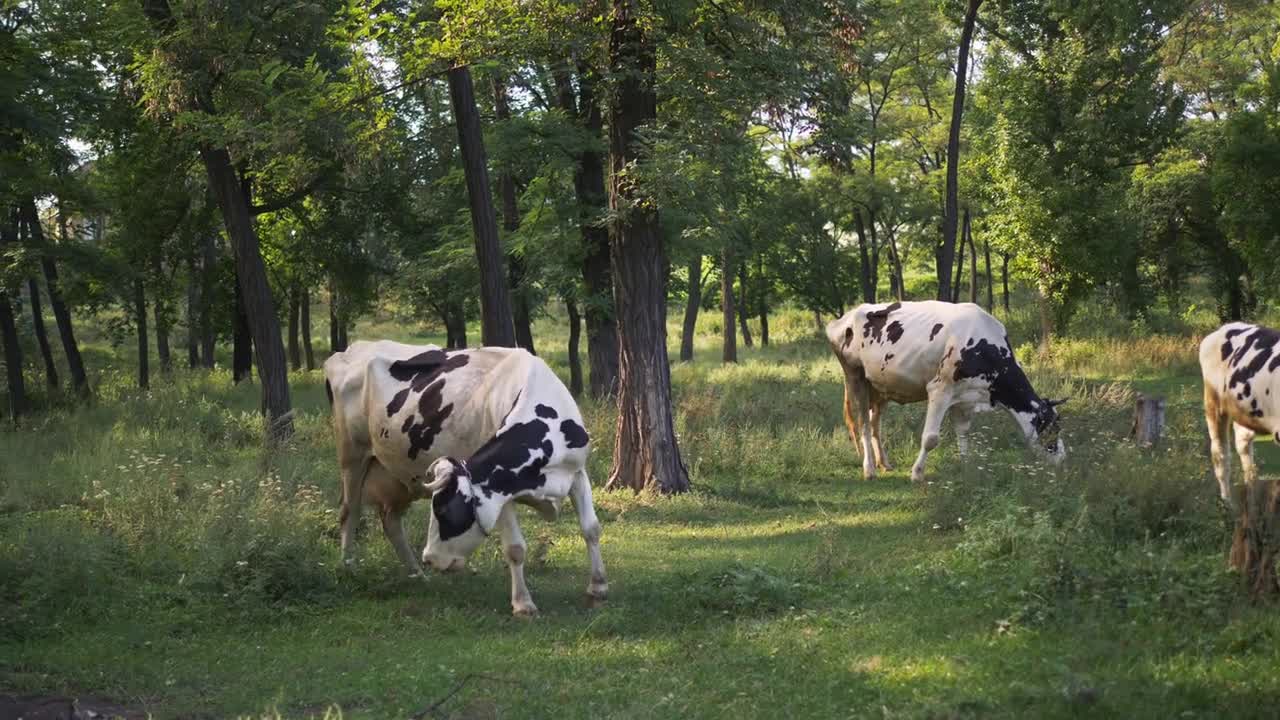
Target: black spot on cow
{"points": [[420, 371], [894, 331], [1227, 347], [511, 462], [455, 513], [575, 436], [937, 328], [876, 319], [1009, 386], [434, 413], [1263, 340], [545, 411]]}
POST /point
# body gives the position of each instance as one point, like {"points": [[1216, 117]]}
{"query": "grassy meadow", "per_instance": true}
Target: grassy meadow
{"points": [[153, 554]]}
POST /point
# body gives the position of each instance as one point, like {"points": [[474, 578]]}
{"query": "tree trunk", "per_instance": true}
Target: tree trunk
{"points": [[208, 336], [762, 299], [66, 332], [691, 306], [864, 258], [959, 278], [646, 454], [1255, 545], [1046, 321], [241, 341], [162, 321], [193, 312], [140, 324], [1148, 420], [742, 305], [575, 334], [305, 320], [597, 277], [260, 306], [1004, 282], [520, 312], [946, 251], [42, 337], [12, 359], [899, 282], [973, 258], [333, 320], [456, 326], [819, 327], [295, 310], [496, 327], [728, 317], [991, 298]]}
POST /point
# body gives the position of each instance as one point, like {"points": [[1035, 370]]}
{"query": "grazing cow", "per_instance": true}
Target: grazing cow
{"points": [[473, 430], [955, 356], [1239, 364]]}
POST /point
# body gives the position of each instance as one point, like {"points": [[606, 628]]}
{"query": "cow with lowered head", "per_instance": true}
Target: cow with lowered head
{"points": [[476, 431], [955, 357]]}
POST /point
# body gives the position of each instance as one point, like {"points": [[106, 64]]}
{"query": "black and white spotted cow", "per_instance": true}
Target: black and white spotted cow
{"points": [[474, 430], [1239, 363], [956, 357]]}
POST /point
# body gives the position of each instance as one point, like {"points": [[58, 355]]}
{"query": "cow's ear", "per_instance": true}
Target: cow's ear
{"points": [[848, 337]]}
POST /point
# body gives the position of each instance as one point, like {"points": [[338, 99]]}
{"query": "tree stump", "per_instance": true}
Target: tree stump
{"points": [[1148, 421], [1254, 545]]}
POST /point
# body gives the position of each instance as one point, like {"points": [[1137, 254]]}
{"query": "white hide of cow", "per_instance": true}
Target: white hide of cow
{"points": [[1239, 362], [476, 431], [956, 357]]}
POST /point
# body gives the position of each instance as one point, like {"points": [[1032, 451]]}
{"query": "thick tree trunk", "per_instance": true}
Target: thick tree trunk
{"points": [[742, 304], [691, 306], [295, 310], [520, 312], [646, 454], [729, 352], [973, 258], [762, 299], [597, 277], [991, 298], [1255, 545], [241, 341], [66, 332], [162, 322], [305, 321], [193, 312], [12, 359], [575, 335], [208, 336], [251, 275], [864, 260], [42, 337], [959, 277], [496, 327], [140, 325], [946, 251]]}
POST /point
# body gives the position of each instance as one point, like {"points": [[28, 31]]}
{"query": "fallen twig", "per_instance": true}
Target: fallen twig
{"points": [[435, 706]]}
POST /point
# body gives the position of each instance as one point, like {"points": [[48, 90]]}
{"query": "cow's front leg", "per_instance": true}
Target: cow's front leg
{"points": [[856, 385], [598, 585], [393, 528], [939, 401], [513, 547], [1244, 448], [877, 412]]}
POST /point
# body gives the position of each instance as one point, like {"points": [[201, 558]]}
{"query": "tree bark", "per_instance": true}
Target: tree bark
{"points": [[864, 258], [597, 277], [1046, 320], [959, 278], [260, 306], [305, 320], [241, 341], [333, 319], [162, 321], [575, 335], [66, 332], [1254, 545], [742, 305], [646, 454], [12, 359], [208, 336], [973, 258], [991, 298], [42, 337], [520, 312], [193, 312], [692, 304], [496, 328], [295, 348], [140, 324], [1148, 420], [946, 251], [762, 299], [729, 352], [1004, 282]]}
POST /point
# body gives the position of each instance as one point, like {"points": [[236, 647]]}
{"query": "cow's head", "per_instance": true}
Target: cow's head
{"points": [[456, 529], [1044, 422]]}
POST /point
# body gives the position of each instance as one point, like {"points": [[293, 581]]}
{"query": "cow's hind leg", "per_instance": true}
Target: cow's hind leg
{"points": [[598, 586], [851, 417], [353, 471], [513, 547], [856, 385], [1218, 424], [938, 404], [876, 413], [1244, 448]]}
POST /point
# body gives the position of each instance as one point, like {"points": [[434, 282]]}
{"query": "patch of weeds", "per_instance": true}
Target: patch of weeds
{"points": [[747, 589]]}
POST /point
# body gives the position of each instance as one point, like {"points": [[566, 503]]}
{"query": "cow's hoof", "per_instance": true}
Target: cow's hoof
{"points": [[886, 467], [917, 474], [596, 595], [525, 611]]}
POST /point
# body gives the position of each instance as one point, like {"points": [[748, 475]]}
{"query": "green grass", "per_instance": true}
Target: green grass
{"points": [[150, 552]]}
